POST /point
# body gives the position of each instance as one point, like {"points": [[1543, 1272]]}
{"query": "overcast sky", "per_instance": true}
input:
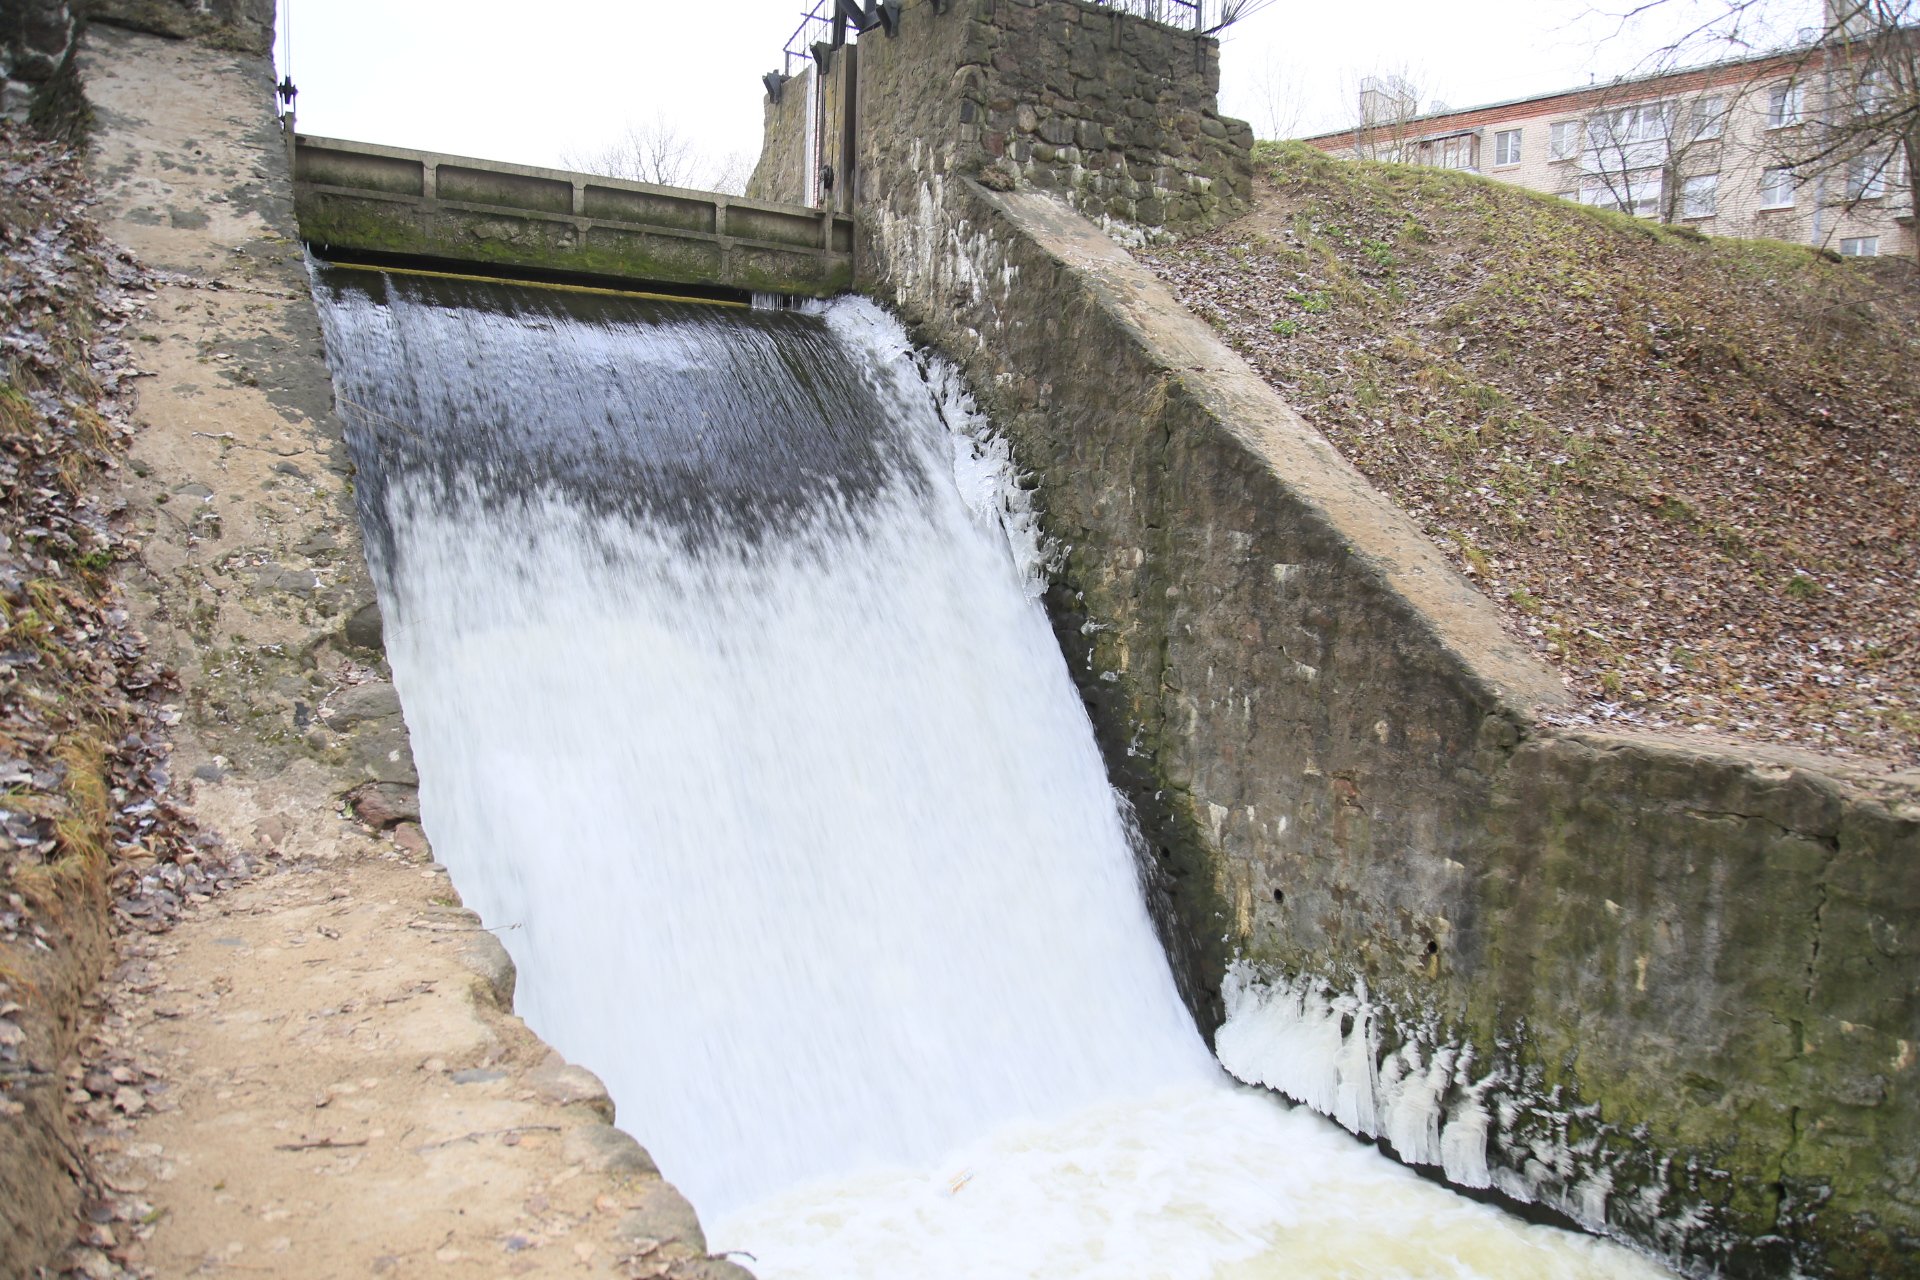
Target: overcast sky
{"points": [[509, 81]]}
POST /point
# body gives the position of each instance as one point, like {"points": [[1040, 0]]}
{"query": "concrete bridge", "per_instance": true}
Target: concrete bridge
{"points": [[357, 199]]}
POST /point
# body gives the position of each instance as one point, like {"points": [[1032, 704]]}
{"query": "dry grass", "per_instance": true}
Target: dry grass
{"points": [[1687, 470]]}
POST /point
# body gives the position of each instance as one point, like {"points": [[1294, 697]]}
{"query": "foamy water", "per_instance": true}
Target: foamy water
{"points": [[1212, 1182], [737, 714]]}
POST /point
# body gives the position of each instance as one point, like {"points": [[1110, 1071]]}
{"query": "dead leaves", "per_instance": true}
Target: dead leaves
{"points": [[1684, 471]]}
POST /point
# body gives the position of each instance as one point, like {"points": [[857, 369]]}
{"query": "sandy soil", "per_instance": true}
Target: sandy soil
{"points": [[317, 1073]]}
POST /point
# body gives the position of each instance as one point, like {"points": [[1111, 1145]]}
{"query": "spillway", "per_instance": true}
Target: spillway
{"points": [[738, 716]]}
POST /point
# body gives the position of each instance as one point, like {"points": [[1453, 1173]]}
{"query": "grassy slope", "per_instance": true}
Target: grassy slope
{"points": [[1686, 469]]}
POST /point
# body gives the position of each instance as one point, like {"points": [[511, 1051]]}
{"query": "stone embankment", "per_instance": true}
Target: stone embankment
{"points": [[316, 1072]]}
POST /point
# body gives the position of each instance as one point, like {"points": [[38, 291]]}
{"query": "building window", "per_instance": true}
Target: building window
{"points": [[1860, 247], [1563, 139], [1455, 152], [1709, 116], [1867, 177], [1783, 105], [1639, 196], [1506, 147], [1629, 138], [1627, 126], [1776, 189], [1870, 93], [1699, 195]]}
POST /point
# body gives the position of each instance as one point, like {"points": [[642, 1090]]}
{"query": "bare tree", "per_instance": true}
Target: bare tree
{"points": [[1387, 107], [1653, 154], [729, 174], [1867, 70], [1279, 97], [1845, 102], [655, 152]]}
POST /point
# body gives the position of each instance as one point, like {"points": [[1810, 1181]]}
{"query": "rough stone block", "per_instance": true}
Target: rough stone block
{"points": [[601, 1148], [662, 1213], [561, 1082], [1058, 130], [385, 804], [377, 700], [16, 99], [487, 958]]}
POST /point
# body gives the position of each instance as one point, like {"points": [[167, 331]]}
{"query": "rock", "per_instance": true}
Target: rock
{"points": [[410, 839], [478, 1075], [560, 1081], [660, 1212], [92, 1264], [16, 99], [385, 804], [373, 701], [380, 750], [601, 1148], [485, 956], [364, 629]]}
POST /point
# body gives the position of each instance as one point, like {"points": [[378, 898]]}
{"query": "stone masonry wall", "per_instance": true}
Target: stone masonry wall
{"points": [[239, 26], [1114, 113], [1663, 989], [36, 37]]}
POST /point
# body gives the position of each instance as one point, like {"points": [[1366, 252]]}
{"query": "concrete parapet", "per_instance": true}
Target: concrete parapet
{"points": [[361, 198]]}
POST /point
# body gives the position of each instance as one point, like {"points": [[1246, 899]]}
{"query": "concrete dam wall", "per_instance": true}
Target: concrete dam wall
{"points": [[1660, 987]]}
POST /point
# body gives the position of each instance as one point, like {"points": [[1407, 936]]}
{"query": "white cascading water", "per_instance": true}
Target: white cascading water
{"points": [[737, 712]]}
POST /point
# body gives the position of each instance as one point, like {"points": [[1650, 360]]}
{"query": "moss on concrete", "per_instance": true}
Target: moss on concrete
{"points": [[528, 240]]}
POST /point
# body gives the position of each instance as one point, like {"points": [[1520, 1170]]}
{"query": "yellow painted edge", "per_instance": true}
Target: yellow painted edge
{"points": [[537, 284]]}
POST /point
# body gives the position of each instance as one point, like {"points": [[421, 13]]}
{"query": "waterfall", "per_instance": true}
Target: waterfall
{"points": [[738, 716]]}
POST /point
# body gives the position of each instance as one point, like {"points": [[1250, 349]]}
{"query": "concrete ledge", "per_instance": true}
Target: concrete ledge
{"points": [[360, 197]]}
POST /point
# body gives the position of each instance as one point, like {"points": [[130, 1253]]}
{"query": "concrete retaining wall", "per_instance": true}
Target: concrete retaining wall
{"points": [[1667, 990]]}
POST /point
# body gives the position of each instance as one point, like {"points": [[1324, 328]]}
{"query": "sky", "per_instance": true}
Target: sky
{"points": [[541, 84]]}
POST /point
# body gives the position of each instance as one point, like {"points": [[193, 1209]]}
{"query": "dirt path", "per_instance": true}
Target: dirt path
{"points": [[316, 1073]]}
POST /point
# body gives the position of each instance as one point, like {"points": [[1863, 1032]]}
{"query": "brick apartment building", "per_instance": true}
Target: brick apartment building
{"points": [[1710, 147]]}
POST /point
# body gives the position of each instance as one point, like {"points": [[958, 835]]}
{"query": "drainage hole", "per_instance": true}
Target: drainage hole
{"points": [[1279, 895]]}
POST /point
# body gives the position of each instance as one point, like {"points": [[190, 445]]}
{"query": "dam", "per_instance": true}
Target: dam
{"points": [[737, 712], [1388, 884], [984, 784]]}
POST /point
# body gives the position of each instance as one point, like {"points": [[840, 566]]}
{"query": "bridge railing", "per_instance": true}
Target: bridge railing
{"points": [[370, 199]]}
